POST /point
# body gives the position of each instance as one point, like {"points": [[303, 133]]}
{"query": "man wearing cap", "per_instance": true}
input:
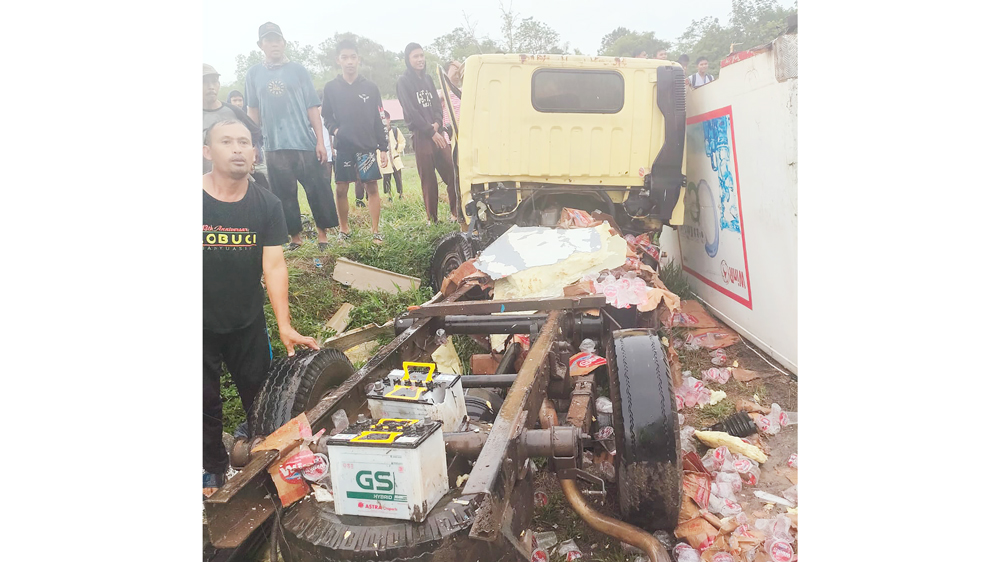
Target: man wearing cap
{"points": [[280, 97], [215, 111]]}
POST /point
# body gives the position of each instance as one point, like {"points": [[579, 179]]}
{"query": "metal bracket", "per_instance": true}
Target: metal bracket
{"points": [[584, 475]]}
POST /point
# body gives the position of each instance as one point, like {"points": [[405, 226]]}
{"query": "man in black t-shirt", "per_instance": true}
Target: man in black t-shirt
{"points": [[242, 233]]}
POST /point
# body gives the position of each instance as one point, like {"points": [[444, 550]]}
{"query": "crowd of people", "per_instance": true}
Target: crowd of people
{"points": [[258, 148]]}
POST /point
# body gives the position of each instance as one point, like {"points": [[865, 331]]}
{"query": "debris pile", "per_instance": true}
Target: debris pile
{"points": [[585, 255], [715, 525]]}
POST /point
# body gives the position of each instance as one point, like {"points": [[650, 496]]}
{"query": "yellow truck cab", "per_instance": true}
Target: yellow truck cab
{"points": [[541, 132]]}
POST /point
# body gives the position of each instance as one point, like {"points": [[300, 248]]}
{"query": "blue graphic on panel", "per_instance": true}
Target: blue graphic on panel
{"points": [[720, 154]]}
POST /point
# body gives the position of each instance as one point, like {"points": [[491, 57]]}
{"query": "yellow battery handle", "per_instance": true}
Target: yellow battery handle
{"points": [[399, 422], [418, 391], [408, 364], [363, 436]]}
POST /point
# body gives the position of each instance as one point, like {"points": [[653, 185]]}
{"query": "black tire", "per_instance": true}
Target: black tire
{"points": [[296, 384], [313, 532], [648, 459], [452, 251]]}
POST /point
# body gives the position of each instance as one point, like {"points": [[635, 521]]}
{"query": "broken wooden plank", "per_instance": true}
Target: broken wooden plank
{"points": [[367, 278], [338, 323], [358, 336], [362, 353]]}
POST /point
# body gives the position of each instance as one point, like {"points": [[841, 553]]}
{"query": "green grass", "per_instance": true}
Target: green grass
{"points": [[673, 277], [559, 517], [313, 296]]}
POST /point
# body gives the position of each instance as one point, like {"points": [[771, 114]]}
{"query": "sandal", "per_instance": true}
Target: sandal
{"points": [[344, 236], [377, 238]]}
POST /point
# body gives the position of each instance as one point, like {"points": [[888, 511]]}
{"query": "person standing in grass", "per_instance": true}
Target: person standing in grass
{"points": [[422, 112], [281, 98], [214, 111], [242, 233], [393, 169], [352, 110]]}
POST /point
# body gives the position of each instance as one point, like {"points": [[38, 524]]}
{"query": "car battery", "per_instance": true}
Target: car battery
{"points": [[393, 468], [434, 396]]}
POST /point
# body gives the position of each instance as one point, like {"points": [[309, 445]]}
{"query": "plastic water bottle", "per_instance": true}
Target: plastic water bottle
{"points": [[686, 553]]}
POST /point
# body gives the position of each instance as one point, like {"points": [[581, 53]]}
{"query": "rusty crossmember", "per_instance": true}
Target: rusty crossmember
{"points": [[498, 457], [583, 302], [245, 502]]}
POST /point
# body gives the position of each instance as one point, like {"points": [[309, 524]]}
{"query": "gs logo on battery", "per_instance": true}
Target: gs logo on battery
{"points": [[381, 481]]}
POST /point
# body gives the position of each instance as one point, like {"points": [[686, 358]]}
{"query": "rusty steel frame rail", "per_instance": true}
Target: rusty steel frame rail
{"points": [[499, 457], [245, 502], [582, 302]]}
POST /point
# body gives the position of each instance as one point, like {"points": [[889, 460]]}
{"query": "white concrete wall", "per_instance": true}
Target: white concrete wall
{"points": [[758, 295]]}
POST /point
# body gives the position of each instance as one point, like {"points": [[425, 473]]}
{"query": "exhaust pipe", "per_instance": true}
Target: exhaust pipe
{"points": [[620, 530]]}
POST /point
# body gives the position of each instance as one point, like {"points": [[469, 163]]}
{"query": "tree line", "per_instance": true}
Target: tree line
{"points": [[751, 23]]}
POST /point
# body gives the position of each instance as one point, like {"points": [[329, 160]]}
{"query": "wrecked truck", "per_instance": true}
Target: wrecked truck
{"points": [[539, 133], [439, 466]]}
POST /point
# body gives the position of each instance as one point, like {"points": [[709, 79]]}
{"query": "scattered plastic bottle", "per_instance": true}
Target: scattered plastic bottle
{"points": [[778, 544], [603, 404], [732, 479], [684, 552], [588, 346], [687, 439], [546, 540], [604, 407], [541, 499], [715, 374], [725, 507], [778, 549], [772, 423], [568, 551], [693, 392], [719, 357], [793, 460]]}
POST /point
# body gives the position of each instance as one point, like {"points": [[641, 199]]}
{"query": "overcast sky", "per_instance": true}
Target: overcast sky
{"points": [[230, 28]]}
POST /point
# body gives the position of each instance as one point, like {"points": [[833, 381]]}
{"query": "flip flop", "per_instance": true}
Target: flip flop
{"points": [[377, 238], [292, 246]]}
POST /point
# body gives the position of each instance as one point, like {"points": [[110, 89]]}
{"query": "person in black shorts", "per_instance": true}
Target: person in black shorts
{"points": [[243, 228], [352, 110], [281, 98]]}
